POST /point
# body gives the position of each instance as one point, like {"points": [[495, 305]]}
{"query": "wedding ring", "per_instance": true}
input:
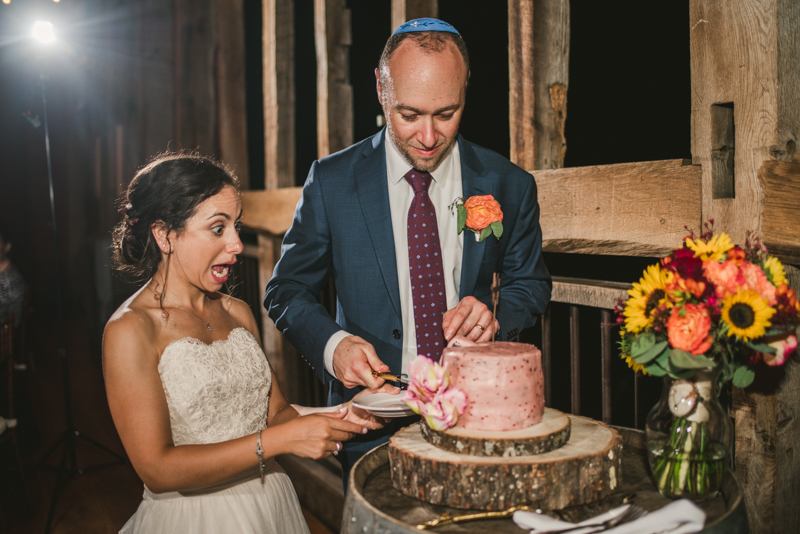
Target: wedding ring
{"points": [[338, 448], [479, 326]]}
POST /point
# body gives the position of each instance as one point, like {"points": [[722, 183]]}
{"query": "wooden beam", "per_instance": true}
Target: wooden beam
{"points": [[195, 98], [271, 211], [633, 209], [230, 81], [279, 99], [334, 92], [585, 292], [405, 10], [538, 61], [781, 230]]}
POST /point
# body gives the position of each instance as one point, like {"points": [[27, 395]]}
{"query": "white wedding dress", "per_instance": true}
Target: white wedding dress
{"points": [[216, 393]]}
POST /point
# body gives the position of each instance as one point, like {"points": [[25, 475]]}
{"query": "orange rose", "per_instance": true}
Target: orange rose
{"points": [[482, 211], [689, 332]]}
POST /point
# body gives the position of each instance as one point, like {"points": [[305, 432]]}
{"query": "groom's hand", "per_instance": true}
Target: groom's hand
{"points": [[353, 362], [471, 319]]}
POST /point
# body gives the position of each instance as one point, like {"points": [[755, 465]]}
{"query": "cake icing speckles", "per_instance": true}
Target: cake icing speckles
{"points": [[503, 383]]}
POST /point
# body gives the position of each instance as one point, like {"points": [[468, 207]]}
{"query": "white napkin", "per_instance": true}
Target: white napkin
{"points": [[678, 517]]}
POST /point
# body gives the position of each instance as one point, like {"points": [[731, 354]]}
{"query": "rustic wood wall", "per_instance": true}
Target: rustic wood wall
{"points": [[745, 58]]}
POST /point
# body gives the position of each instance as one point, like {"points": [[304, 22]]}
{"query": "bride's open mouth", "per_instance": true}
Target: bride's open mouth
{"points": [[220, 273]]}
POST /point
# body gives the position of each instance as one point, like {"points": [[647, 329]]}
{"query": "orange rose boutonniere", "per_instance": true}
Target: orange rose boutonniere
{"points": [[481, 214]]}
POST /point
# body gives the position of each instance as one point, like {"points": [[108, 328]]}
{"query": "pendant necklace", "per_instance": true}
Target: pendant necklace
{"points": [[210, 314]]}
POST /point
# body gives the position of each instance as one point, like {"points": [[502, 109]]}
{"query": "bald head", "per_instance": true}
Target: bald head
{"points": [[422, 90], [431, 41]]}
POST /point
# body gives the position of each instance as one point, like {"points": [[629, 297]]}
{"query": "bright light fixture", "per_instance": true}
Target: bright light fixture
{"points": [[43, 31]]}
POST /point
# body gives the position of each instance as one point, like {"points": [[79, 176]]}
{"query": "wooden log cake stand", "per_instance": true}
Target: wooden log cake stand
{"points": [[550, 434], [584, 470]]}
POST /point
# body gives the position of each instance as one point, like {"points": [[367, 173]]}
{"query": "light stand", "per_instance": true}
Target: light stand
{"points": [[68, 466]]}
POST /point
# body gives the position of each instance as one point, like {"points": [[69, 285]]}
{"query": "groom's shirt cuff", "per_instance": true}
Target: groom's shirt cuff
{"points": [[330, 348]]}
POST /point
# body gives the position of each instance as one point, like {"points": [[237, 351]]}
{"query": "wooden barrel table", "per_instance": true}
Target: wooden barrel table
{"points": [[374, 506]]}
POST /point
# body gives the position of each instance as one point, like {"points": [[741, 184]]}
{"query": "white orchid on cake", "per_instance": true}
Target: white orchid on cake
{"points": [[430, 395]]}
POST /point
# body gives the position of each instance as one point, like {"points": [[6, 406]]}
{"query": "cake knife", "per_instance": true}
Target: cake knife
{"points": [[401, 380]]}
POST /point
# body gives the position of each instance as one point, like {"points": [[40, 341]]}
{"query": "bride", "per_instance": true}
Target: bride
{"points": [[190, 390]]}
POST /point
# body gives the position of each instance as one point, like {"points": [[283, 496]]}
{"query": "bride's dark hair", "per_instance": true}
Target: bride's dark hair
{"points": [[168, 189]]}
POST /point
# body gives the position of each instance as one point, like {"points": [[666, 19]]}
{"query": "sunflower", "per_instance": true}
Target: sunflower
{"points": [[647, 295], [637, 367], [713, 249], [746, 314], [774, 270]]}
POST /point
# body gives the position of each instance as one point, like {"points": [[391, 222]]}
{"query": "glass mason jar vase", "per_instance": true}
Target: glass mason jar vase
{"points": [[689, 437]]}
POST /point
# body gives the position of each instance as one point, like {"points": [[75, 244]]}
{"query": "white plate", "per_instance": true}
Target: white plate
{"points": [[384, 405]]}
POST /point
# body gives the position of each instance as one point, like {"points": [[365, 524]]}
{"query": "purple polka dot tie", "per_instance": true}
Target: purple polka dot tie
{"points": [[426, 268]]}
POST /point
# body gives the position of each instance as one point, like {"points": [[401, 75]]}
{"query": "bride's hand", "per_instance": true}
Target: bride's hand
{"points": [[318, 436], [363, 417]]}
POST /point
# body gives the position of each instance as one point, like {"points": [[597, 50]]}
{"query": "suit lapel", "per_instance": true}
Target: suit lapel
{"points": [[474, 181], [373, 195]]}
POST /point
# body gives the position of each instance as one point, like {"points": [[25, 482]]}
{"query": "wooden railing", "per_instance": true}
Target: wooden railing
{"points": [[578, 293], [303, 387]]}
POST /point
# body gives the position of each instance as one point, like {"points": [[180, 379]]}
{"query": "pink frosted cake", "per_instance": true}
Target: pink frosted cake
{"points": [[503, 383]]}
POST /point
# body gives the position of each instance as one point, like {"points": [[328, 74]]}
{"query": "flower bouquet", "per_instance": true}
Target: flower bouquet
{"points": [[709, 313]]}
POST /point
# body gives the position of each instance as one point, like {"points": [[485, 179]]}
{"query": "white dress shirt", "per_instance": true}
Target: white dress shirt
{"points": [[446, 187]]}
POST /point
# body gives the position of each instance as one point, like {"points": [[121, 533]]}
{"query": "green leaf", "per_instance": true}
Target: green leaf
{"points": [[652, 353], [685, 373], [642, 344], [497, 229], [761, 347], [743, 377], [486, 232], [684, 360], [663, 360], [462, 217], [655, 369]]}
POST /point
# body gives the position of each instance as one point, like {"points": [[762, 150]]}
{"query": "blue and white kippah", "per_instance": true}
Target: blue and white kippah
{"points": [[426, 24]]}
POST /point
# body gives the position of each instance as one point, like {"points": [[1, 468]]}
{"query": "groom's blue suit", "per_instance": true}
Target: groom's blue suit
{"points": [[342, 227]]}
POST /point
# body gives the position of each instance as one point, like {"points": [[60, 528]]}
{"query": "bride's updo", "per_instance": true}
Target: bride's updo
{"points": [[168, 189]]}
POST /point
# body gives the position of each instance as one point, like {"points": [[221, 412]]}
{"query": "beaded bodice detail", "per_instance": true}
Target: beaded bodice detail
{"points": [[215, 392]]}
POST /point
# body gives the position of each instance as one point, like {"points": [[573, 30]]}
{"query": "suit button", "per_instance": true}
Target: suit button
{"points": [[396, 333]]}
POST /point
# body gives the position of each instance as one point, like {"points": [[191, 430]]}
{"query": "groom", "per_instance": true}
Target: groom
{"points": [[376, 217]]}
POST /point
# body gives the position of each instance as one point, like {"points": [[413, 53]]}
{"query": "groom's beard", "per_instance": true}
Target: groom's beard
{"points": [[422, 164]]}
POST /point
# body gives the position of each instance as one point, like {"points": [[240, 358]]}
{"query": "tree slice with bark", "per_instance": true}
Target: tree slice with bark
{"points": [[584, 470], [550, 434]]}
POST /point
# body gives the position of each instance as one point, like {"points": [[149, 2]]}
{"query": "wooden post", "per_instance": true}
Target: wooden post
{"points": [[334, 92], [230, 80], [745, 56], [209, 80], [279, 100], [538, 67], [195, 114], [155, 91], [405, 10]]}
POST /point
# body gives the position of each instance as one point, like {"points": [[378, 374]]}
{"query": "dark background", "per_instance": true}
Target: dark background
{"points": [[628, 100]]}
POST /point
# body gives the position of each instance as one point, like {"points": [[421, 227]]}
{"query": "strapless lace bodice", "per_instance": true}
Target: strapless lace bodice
{"points": [[215, 392]]}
